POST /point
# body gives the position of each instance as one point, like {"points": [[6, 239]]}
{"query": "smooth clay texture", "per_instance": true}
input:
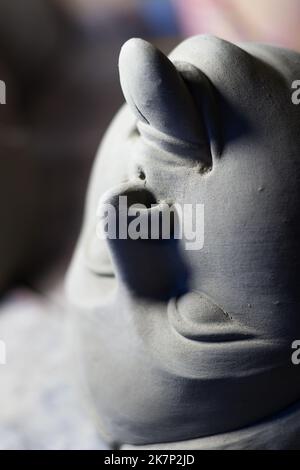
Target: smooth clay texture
{"points": [[177, 345]]}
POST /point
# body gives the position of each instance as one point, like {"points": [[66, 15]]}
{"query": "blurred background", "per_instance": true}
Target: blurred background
{"points": [[58, 59]]}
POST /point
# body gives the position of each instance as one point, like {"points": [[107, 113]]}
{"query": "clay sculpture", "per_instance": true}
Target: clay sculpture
{"points": [[184, 347]]}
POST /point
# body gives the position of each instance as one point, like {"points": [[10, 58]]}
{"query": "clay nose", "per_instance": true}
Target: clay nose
{"points": [[141, 237]]}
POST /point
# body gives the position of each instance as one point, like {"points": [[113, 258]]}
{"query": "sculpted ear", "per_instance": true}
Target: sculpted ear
{"points": [[156, 92]]}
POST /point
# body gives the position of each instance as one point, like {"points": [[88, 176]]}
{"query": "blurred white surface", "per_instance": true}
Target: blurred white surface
{"points": [[40, 407]]}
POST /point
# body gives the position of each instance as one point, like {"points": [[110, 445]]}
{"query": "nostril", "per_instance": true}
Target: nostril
{"points": [[140, 195], [144, 249], [135, 194], [141, 174]]}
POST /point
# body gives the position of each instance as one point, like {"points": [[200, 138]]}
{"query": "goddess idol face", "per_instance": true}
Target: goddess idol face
{"points": [[179, 343]]}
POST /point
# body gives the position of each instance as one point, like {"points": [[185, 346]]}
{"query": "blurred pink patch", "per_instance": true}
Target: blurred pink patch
{"points": [[271, 21]]}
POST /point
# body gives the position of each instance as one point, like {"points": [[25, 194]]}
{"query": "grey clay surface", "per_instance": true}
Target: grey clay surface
{"points": [[214, 125]]}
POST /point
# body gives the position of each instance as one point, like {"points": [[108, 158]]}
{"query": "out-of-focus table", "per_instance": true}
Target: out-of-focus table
{"points": [[39, 403]]}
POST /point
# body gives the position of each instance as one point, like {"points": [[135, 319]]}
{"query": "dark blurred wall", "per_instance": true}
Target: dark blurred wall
{"points": [[59, 61]]}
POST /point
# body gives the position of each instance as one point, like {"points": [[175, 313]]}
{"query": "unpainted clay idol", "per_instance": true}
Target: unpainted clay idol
{"points": [[186, 341]]}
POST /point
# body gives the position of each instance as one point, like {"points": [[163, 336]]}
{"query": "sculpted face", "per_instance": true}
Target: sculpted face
{"points": [[177, 344]]}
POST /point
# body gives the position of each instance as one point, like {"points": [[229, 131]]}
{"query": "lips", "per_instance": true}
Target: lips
{"points": [[196, 317]]}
